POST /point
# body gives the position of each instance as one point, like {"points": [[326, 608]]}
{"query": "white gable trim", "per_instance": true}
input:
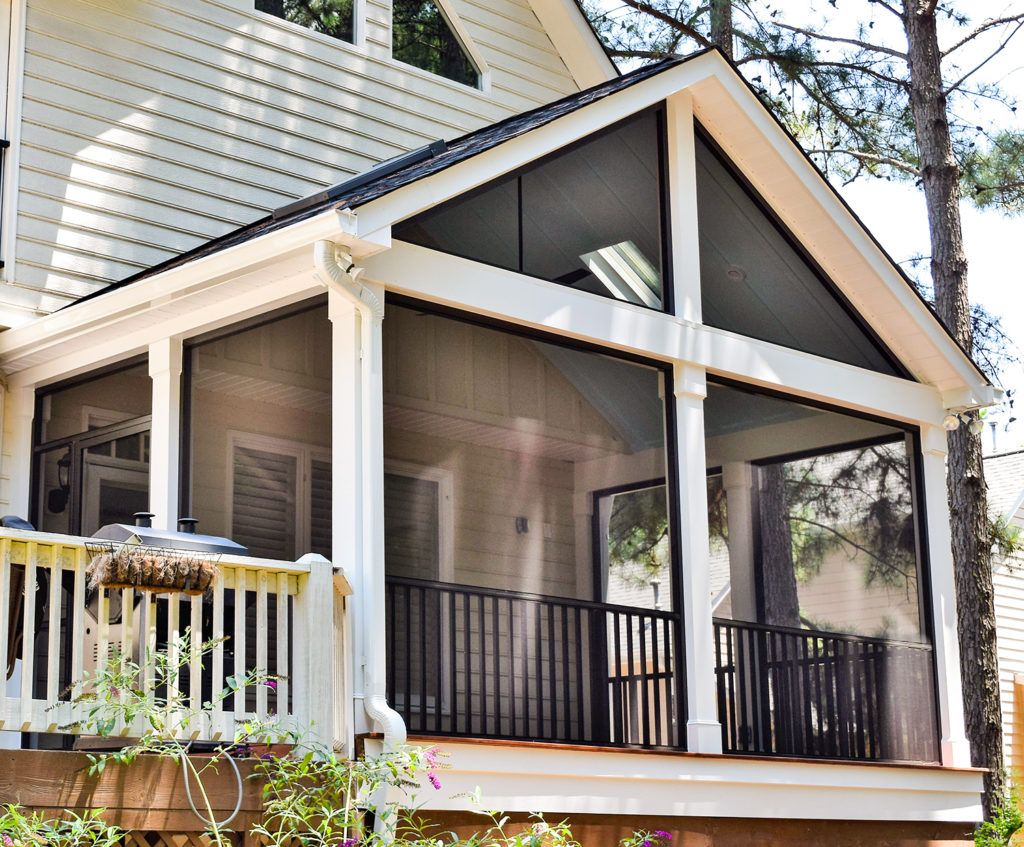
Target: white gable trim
{"points": [[575, 40], [777, 169]]}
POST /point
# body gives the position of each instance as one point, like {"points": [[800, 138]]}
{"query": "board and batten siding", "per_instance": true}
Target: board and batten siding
{"points": [[149, 127]]}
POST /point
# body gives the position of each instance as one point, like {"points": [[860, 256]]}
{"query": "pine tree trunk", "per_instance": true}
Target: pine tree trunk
{"points": [[778, 576], [966, 483], [721, 25]]}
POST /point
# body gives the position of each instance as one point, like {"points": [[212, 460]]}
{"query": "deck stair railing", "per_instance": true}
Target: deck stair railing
{"points": [[797, 692], [489, 663], [261, 614]]}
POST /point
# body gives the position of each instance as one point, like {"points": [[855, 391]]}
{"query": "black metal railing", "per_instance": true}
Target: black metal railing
{"points": [[487, 663], [800, 692]]}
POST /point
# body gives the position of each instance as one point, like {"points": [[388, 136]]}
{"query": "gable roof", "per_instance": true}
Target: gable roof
{"points": [[733, 115]]}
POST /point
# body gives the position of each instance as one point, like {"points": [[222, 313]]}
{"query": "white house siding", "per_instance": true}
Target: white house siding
{"points": [[148, 128], [1004, 475]]}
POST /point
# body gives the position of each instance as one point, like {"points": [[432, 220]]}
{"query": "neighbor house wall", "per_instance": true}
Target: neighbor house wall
{"points": [[150, 127]]}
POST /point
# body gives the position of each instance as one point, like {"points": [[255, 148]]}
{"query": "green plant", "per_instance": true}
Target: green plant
{"points": [[124, 694], [20, 828], [315, 797], [1005, 821]]}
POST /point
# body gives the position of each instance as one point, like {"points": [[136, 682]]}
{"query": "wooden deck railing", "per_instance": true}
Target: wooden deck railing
{"points": [[262, 615]]}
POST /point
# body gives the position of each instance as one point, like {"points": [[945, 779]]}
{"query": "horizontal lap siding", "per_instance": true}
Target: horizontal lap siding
{"points": [[1009, 591], [149, 128]]}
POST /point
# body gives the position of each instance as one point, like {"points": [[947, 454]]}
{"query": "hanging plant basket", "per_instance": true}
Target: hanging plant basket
{"points": [[158, 569]]}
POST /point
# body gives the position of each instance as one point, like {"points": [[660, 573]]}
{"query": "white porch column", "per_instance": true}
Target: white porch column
{"points": [[165, 360], [682, 180], [17, 449], [703, 731], [738, 482], [346, 465], [955, 750]]}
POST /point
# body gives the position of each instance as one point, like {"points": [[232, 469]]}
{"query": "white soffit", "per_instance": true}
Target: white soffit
{"points": [[575, 40]]}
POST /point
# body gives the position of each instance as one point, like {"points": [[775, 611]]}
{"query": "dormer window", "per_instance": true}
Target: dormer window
{"points": [[423, 36], [331, 17]]}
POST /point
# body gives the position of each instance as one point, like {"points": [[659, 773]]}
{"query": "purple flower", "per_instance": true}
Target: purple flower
{"points": [[647, 843], [349, 842], [8, 841], [661, 835], [434, 780], [271, 684]]}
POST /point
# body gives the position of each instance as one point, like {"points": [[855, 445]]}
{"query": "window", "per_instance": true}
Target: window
{"points": [[331, 17], [588, 217], [92, 461], [423, 37]]}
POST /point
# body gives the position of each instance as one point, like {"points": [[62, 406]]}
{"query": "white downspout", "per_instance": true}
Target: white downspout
{"points": [[337, 272]]}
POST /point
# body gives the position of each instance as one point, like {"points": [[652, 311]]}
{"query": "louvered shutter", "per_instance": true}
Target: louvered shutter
{"points": [[411, 527], [320, 507], [263, 502]]}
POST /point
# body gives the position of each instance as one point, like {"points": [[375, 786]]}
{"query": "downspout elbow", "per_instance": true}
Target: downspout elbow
{"points": [[338, 271]]}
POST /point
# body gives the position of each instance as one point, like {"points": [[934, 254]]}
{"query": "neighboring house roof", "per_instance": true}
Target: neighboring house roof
{"points": [[1004, 475]]}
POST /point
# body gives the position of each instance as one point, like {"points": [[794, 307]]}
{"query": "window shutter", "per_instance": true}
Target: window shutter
{"points": [[320, 507], [411, 527], [263, 502]]}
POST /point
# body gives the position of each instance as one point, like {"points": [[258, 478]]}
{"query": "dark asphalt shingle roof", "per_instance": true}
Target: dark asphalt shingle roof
{"points": [[364, 191]]}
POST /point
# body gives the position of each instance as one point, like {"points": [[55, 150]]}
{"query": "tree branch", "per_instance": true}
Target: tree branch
{"points": [[986, 60], [837, 40], [871, 157], [782, 58], [667, 19], [847, 540], [1009, 19], [887, 7]]}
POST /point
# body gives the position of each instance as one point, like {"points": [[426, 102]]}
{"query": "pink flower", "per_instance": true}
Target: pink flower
{"points": [[8, 841], [434, 780], [271, 684]]}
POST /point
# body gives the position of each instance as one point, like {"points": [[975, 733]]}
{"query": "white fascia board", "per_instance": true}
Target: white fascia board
{"points": [[574, 38], [824, 224], [537, 778], [509, 155], [105, 346], [113, 312], [527, 301]]}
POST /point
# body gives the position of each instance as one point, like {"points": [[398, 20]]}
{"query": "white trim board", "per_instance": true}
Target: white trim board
{"points": [[528, 777]]}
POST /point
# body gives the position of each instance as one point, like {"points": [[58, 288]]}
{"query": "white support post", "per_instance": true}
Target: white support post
{"points": [[738, 482], [347, 458], [17, 449], [165, 360], [955, 749], [703, 731], [682, 181], [315, 675]]}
